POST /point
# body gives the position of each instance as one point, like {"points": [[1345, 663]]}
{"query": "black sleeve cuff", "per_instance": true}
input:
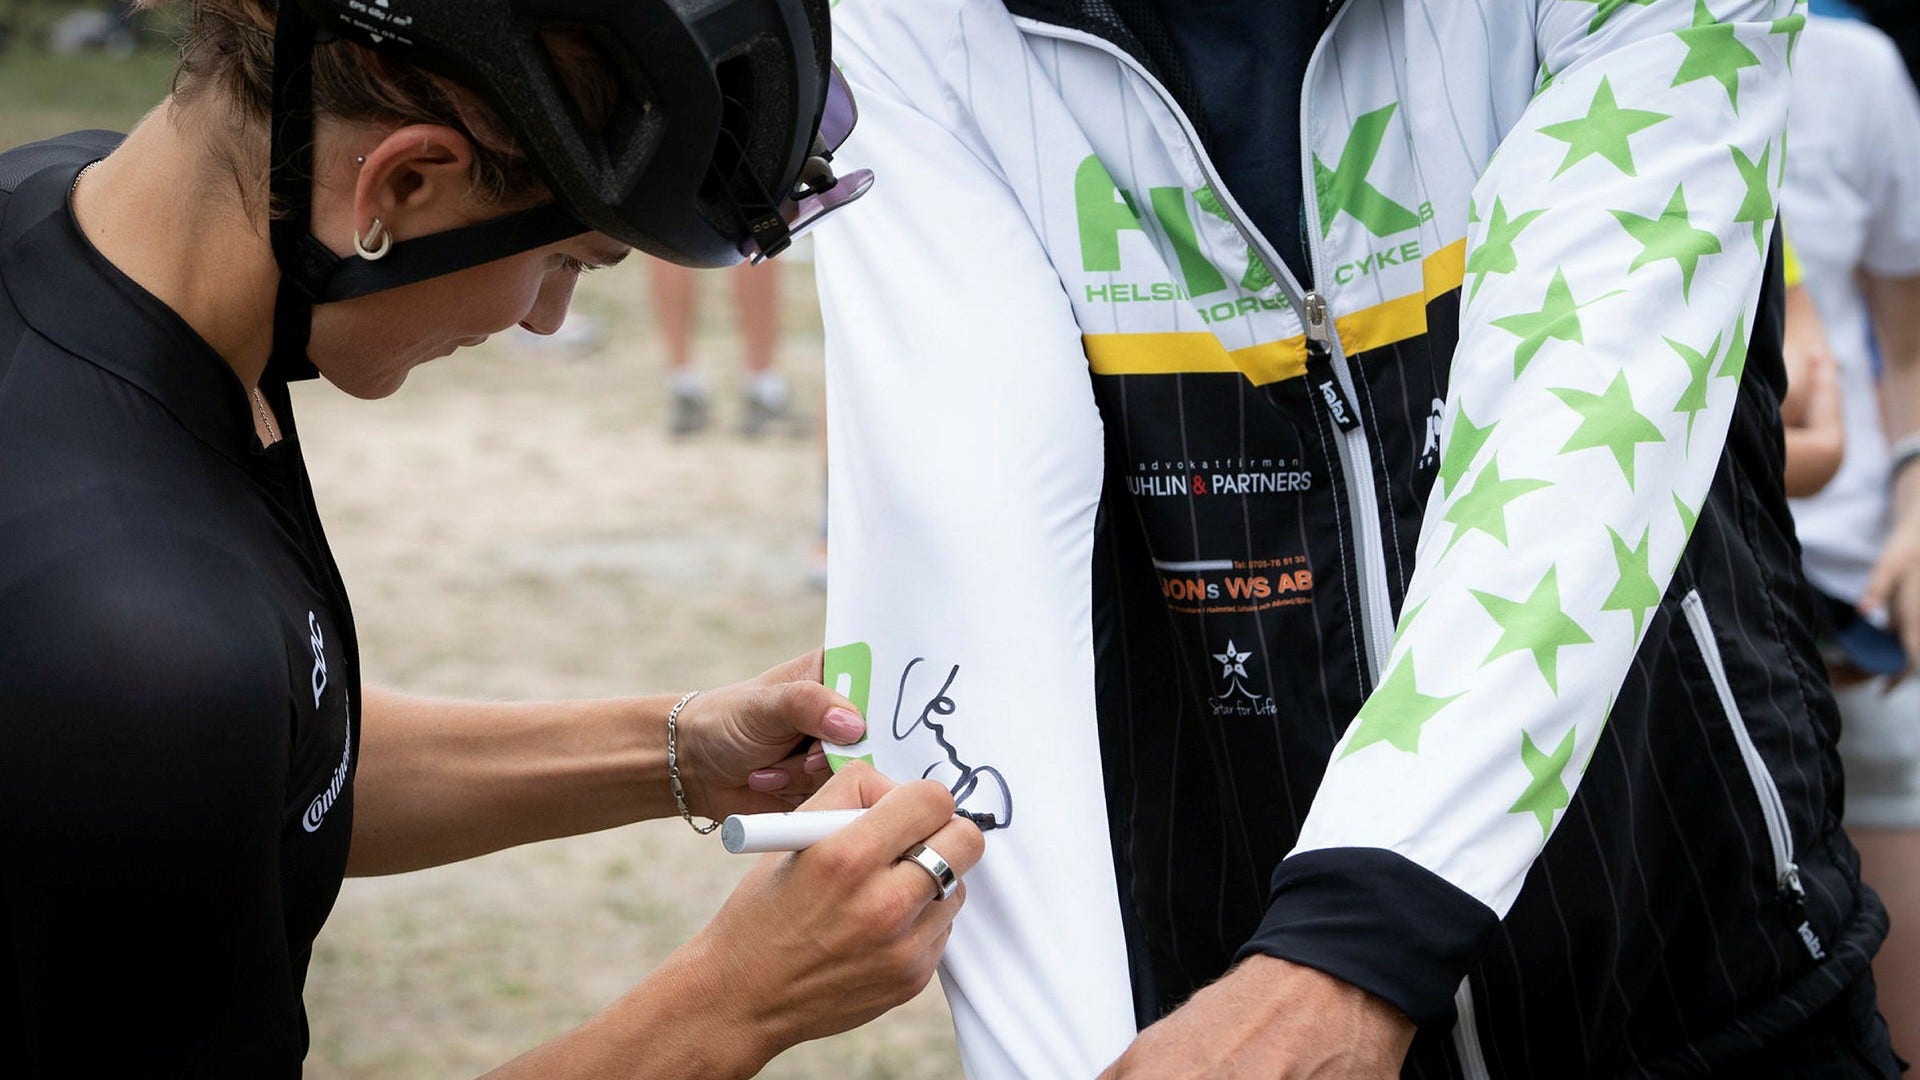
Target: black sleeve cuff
{"points": [[1377, 920]]}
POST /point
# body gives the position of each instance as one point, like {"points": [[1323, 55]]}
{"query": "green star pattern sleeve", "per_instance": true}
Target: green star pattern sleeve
{"points": [[1614, 259]]}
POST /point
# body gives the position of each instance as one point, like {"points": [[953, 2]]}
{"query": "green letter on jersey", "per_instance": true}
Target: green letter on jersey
{"points": [[1170, 206], [848, 670], [1103, 210], [1256, 279], [1345, 187]]}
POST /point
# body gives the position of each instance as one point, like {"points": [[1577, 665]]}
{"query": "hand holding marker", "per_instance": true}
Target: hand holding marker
{"points": [[848, 669]]}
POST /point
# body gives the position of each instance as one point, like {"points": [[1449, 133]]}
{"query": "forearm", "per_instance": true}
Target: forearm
{"points": [[1900, 391], [1896, 322], [1897, 325], [441, 781], [1894, 589], [1815, 426], [668, 1027], [1813, 459]]}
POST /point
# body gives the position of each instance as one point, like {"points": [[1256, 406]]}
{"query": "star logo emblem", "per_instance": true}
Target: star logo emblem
{"points": [[1233, 661]]}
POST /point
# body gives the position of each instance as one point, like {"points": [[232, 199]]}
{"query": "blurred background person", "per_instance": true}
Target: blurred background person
{"points": [[1899, 18], [1852, 202], [1811, 415], [767, 403]]}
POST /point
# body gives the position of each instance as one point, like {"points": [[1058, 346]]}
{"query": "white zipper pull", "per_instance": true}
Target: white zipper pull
{"points": [[1790, 882], [1319, 329]]}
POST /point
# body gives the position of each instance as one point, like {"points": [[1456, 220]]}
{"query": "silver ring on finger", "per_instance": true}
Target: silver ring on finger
{"points": [[937, 868]]}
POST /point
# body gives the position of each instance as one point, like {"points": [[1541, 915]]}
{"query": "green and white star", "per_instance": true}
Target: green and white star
{"points": [[1406, 622], [1735, 362], [1484, 507], [1609, 421], [1606, 9], [1670, 236], [1606, 130], [1689, 517], [1757, 205], [1557, 320], [1791, 26], [1546, 793], [1693, 400], [1494, 254], [1536, 625], [1396, 712], [1463, 444], [1713, 52], [1636, 592]]}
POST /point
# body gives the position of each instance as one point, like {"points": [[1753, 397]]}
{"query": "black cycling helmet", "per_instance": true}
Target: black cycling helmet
{"points": [[718, 148]]}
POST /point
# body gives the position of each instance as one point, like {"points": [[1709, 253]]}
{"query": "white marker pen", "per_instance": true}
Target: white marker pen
{"points": [[797, 830]]}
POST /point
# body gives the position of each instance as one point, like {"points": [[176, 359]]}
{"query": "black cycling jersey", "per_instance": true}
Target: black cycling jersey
{"points": [[179, 698]]}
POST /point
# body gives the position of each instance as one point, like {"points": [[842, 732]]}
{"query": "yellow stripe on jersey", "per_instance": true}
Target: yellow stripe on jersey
{"points": [[1198, 352]]}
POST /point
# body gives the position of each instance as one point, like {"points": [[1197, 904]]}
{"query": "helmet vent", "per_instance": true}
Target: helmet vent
{"points": [[621, 128]]}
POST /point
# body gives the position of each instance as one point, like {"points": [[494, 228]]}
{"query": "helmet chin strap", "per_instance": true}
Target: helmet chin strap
{"points": [[290, 183], [310, 273]]}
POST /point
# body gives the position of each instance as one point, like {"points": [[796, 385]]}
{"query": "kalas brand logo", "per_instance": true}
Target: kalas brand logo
{"points": [[1237, 699], [1336, 404]]}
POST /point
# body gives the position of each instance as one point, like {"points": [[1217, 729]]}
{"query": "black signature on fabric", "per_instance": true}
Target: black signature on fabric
{"points": [[993, 800]]}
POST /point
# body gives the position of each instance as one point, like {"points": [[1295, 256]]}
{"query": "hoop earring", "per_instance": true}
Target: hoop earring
{"points": [[385, 242]]}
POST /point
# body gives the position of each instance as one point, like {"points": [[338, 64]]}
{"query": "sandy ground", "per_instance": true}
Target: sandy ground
{"points": [[515, 524]]}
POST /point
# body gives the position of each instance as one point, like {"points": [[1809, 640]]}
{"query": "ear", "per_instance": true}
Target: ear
{"points": [[417, 181]]}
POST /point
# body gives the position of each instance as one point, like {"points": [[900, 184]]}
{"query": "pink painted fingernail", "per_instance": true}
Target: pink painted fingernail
{"points": [[767, 780], [815, 763], [843, 726]]}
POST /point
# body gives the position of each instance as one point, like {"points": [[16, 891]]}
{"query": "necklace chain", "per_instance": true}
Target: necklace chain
{"points": [[77, 177], [266, 421]]}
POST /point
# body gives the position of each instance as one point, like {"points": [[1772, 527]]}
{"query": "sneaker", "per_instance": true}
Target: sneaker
{"points": [[763, 416], [690, 414]]}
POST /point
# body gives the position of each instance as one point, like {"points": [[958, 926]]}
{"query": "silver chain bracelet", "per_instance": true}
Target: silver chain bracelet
{"points": [[673, 765]]}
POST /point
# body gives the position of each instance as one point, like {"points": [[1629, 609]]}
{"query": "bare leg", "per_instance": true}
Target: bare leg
{"points": [[673, 310], [1890, 861], [756, 298]]}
